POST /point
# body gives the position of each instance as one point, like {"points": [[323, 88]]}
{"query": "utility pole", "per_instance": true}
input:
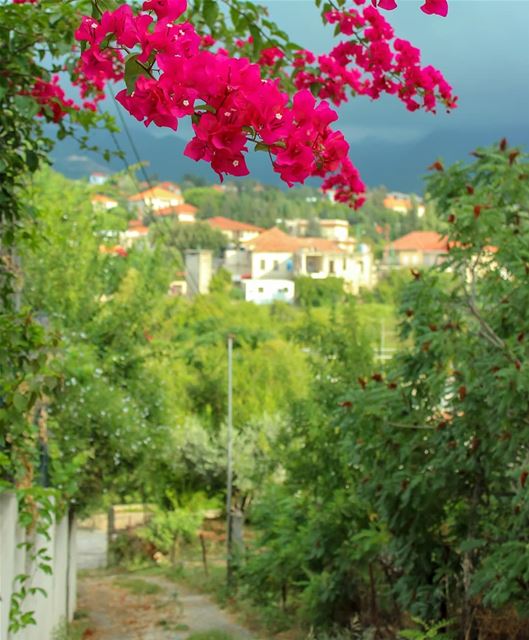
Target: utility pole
{"points": [[229, 521]]}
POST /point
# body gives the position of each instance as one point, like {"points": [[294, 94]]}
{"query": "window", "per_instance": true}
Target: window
{"points": [[263, 265], [345, 264], [331, 266], [276, 265], [260, 290]]}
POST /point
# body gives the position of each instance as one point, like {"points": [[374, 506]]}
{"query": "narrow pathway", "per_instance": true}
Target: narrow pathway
{"points": [[126, 607]]}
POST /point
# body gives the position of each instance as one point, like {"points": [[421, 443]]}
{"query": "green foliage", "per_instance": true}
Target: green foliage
{"points": [[407, 490], [137, 586], [221, 282], [425, 631], [311, 292], [182, 236], [389, 288], [171, 527]]}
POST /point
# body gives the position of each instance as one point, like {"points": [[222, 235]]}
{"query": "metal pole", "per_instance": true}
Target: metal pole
{"points": [[229, 536]]}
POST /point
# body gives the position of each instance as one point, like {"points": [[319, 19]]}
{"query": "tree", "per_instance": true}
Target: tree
{"points": [[425, 509], [189, 236]]}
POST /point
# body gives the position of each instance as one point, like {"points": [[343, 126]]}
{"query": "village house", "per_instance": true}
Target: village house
{"points": [[235, 231], [154, 199], [270, 260], [403, 203], [416, 249], [98, 178], [184, 213], [103, 203], [135, 232]]}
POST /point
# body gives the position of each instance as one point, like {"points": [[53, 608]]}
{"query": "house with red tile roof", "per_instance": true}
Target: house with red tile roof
{"points": [[101, 202], [416, 249], [234, 230], [135, 232], [153, 199], [274, 255], [184, 212]]}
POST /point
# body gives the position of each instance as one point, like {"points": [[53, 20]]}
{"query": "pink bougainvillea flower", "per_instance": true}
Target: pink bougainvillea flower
{"points": [[437, 7], [170, 9]]}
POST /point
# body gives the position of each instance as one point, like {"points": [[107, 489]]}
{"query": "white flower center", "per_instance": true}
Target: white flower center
{"points": [[279, 116], [235, 163], [186, 103]]}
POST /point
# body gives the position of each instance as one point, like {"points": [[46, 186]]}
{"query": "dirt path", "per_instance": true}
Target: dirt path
{"points": [[149, 608]]}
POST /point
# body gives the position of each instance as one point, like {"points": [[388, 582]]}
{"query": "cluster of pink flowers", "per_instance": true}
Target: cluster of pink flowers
{"points": [[230, 104], [437, 7], [372, 62], [50, 96]]}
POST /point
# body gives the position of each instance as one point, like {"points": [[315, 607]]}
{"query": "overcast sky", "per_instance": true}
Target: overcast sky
{"points": [[482, 48]]}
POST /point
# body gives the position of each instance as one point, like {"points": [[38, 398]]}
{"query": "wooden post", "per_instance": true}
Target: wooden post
{"points": [[229, 524]]}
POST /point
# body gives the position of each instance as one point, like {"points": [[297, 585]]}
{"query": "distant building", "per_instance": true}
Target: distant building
{"points": [[98, 178], [234, 230], [178, 287], [102, 203], [267, 291], [170, 186], [274, 255], [136, 231], [199, 271], [151, 200], [185, 213], [334, 230], [416, 249], [398, 202]]}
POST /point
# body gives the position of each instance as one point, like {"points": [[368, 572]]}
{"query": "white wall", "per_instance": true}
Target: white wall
{"points": [[274, 264], [60, 586], [267, 291]]}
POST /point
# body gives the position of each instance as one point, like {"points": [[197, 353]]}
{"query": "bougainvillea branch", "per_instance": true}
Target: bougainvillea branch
{"points": [[276, 103], [172, 72]]}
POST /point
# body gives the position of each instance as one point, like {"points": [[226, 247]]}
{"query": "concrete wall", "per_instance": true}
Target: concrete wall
{"points": [[15, 559]]}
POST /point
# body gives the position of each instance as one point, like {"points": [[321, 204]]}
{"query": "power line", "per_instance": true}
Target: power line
{"points": [[122, 155], [130, 138]]}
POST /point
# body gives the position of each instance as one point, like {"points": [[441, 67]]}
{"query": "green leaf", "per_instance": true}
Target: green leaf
{"points": [[32, 160], [133, 70], [210, 13]]}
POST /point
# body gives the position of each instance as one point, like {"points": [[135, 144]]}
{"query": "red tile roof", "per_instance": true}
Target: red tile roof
{"points": [[155, 192], [277, 241], [227, 224], [171, 186], [137, 225], [175, 210], [420, 241], [98, 197]]}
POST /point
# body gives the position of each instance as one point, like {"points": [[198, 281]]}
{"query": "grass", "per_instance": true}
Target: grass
{"points": [[138, 586], [210, 635], [70, 631]]}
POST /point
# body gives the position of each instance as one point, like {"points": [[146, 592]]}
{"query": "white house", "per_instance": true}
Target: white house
{"points": [[98, 178], [267, 291], [334, 230], [154, 199], [274, 255]]}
